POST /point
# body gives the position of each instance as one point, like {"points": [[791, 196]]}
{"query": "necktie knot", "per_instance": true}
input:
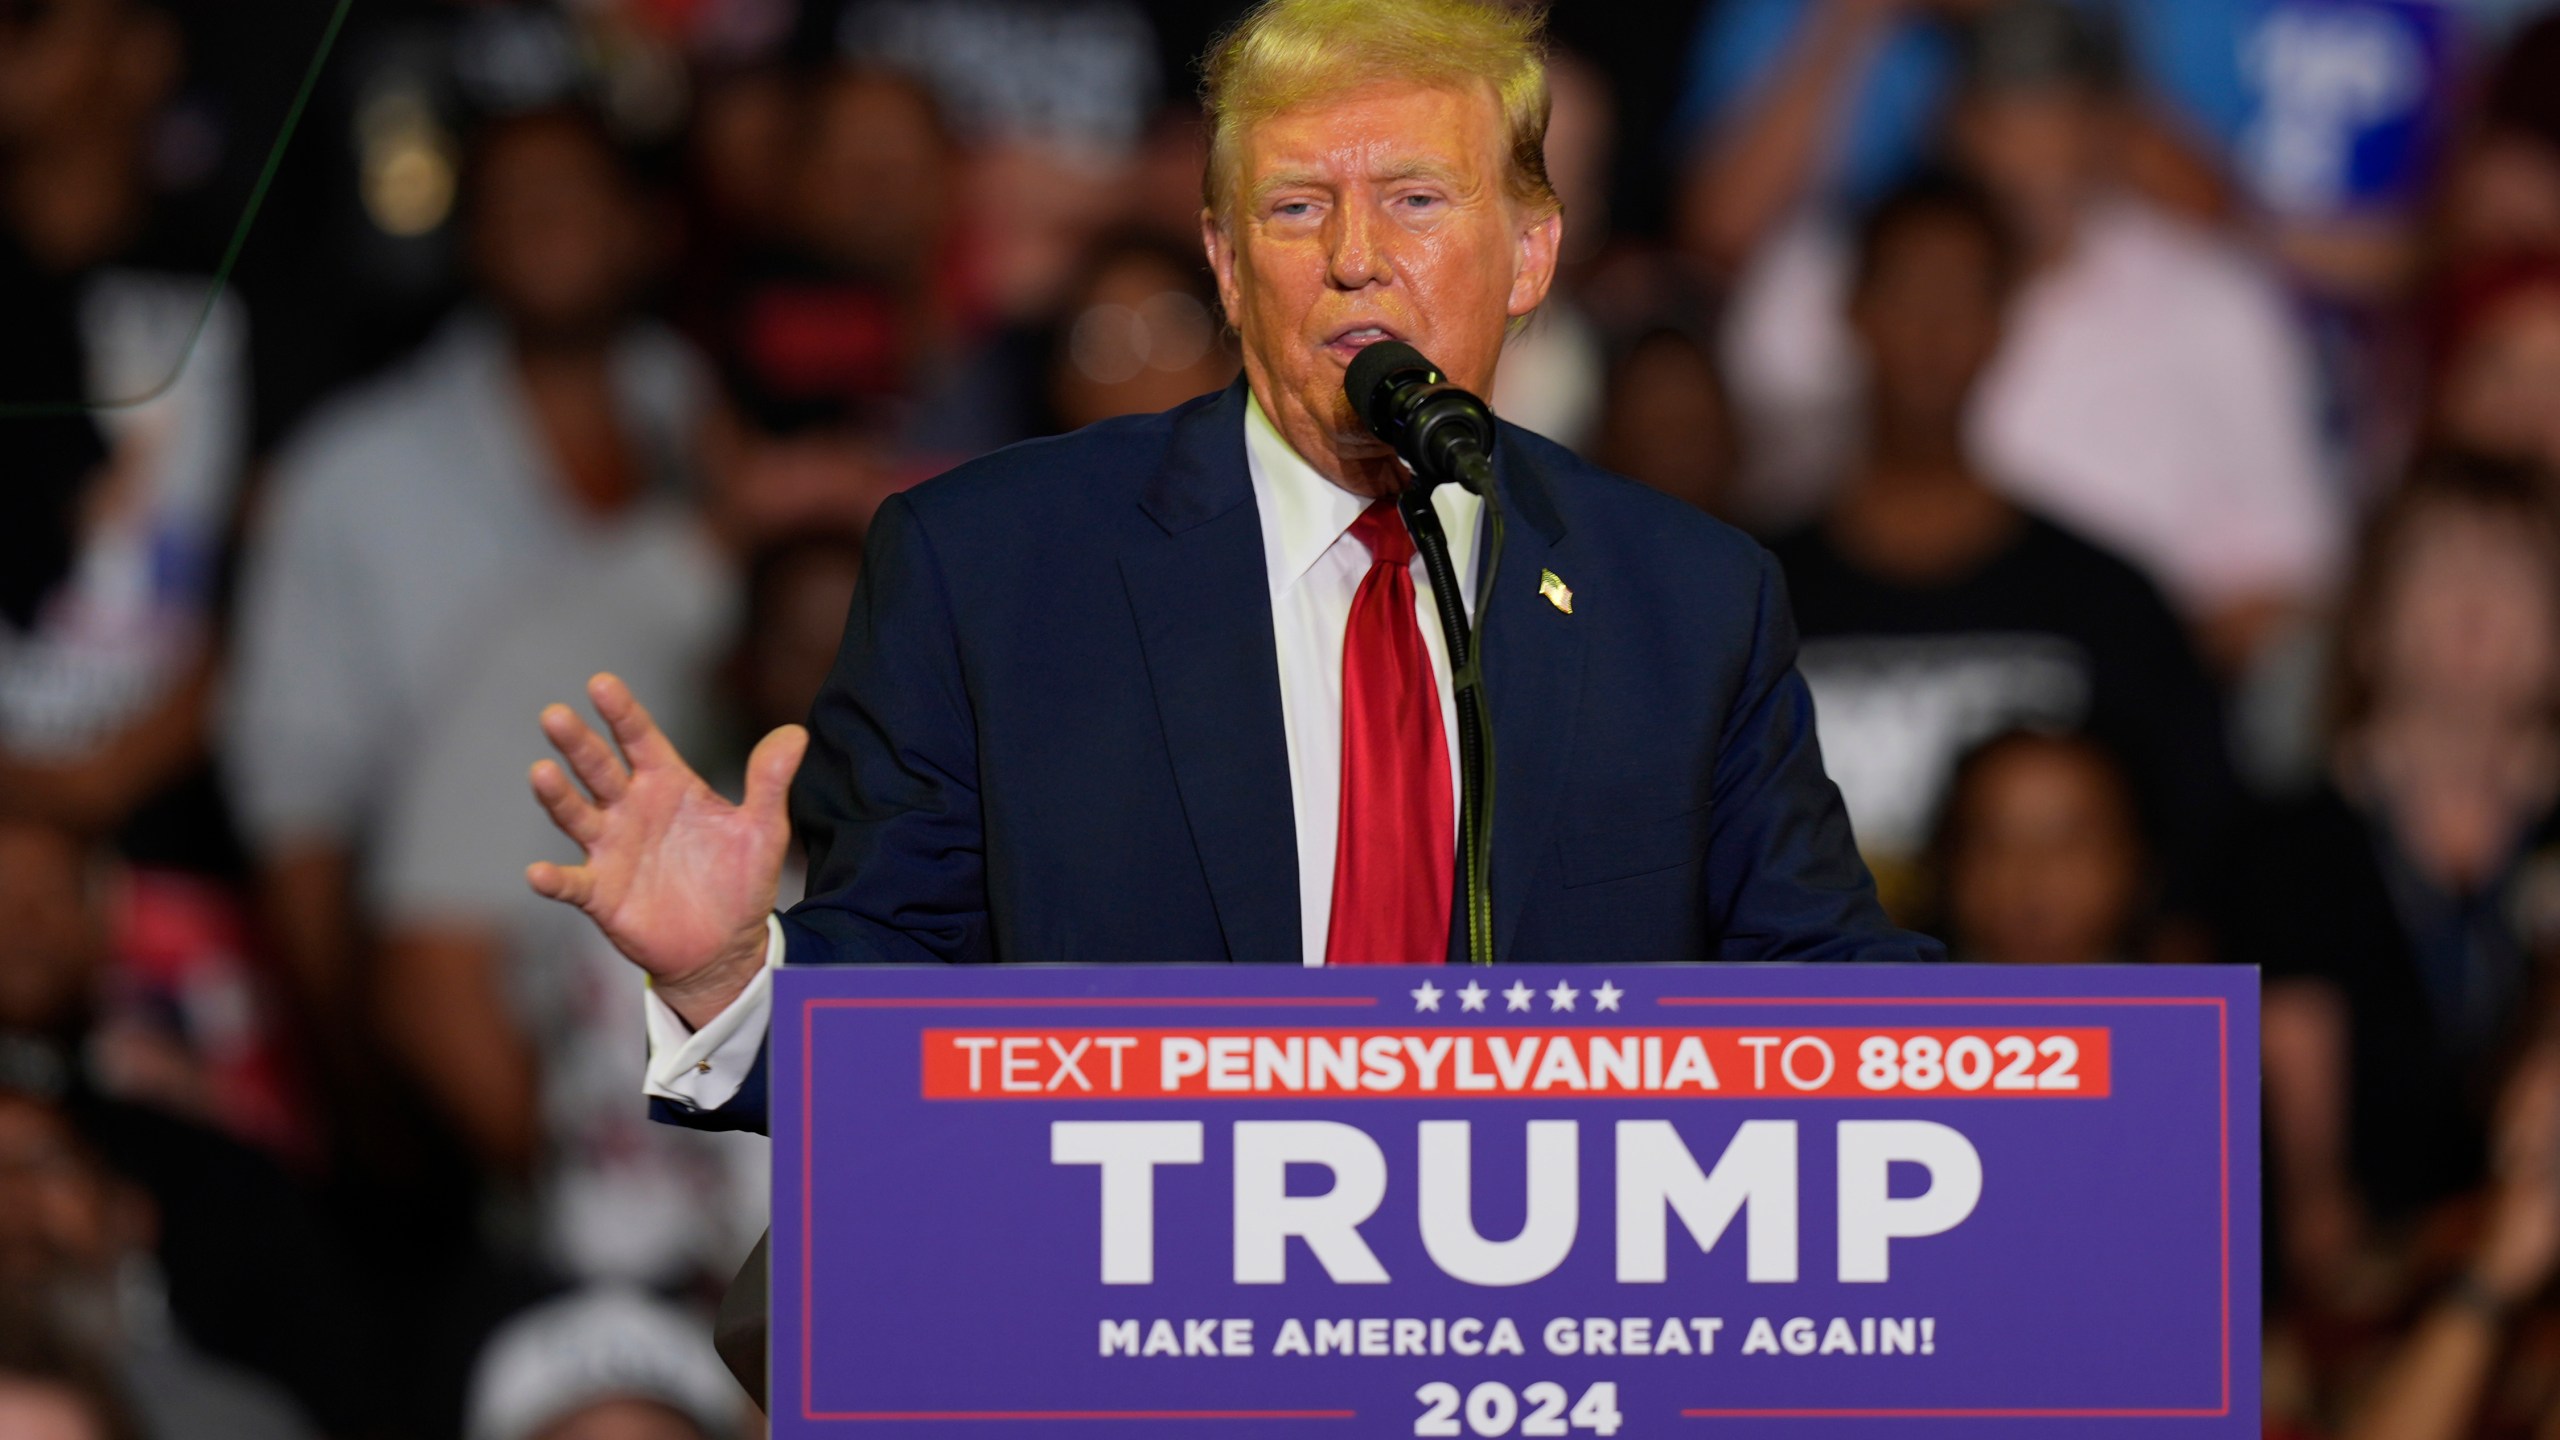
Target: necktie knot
{"points": [[1381, 528]]}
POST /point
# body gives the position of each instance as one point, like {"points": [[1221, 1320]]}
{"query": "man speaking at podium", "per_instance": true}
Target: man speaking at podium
{"points": [[1173, 688]]}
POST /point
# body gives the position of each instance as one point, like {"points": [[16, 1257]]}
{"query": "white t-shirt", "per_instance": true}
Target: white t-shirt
{"points": [[398, 530], [133, 616]]}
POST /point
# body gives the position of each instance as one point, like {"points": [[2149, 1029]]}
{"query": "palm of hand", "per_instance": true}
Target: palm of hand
{"points": [[677, 878], [679, 872]]}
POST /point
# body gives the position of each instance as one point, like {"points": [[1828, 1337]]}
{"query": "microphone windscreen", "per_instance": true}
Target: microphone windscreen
{"points": [[1365, 381]]}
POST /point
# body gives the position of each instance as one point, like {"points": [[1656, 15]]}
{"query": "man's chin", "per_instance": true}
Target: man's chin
{"points": [[1356, 443]]}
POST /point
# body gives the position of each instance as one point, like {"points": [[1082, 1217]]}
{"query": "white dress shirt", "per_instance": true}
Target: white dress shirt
{"points": [[1315, 569]]}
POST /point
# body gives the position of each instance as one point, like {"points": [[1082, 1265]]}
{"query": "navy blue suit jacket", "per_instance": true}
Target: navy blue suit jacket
{"points": [[1053, 731]]}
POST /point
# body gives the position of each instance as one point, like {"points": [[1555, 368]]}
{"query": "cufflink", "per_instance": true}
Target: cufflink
{"points": [[1558, 593]]}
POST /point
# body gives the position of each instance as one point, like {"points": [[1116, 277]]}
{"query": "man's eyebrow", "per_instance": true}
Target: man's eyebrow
{"points": [[1422, 167], [1419, 167], [1273, 184]]}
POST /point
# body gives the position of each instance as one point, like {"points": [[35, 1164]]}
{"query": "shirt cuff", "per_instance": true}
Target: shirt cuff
{"points": [[704, 1068]]}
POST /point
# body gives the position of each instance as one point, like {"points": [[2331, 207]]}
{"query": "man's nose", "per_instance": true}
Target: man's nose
{"points": [[1356, 250]]}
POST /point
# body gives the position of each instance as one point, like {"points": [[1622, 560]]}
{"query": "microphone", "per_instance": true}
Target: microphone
{"points": [[1443, 432]]}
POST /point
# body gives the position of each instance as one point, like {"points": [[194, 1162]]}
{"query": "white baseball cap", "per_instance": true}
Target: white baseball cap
{"points": [[600, 1344]]}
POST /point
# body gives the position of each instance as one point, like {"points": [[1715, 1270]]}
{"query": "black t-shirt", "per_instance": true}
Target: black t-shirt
{"points": [[2048, 631]]}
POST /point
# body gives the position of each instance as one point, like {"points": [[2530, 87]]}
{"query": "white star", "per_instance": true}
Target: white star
{"points": [[1427, 997], [1472, 998], [1605, 996], [1518, 995], [1562, 997]]}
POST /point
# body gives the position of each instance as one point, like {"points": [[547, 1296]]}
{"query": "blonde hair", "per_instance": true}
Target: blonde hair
{"points": [[1284, 53]]}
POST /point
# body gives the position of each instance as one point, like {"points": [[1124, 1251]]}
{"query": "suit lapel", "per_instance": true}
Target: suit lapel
{"points": [[1533, 676], [1202, 599]]}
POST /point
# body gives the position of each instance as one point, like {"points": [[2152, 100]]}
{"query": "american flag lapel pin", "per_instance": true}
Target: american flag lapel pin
{"points": [[1558, 593]]}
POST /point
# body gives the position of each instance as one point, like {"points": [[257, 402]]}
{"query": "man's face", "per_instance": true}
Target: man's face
{"points": [[557, 233], [59, 65], [1138, 342], [50, 934], [2466, 615], [1928, 316], [1376, 214], [2042, 151], [871, 186], [2050, 865], [2499, 387]]}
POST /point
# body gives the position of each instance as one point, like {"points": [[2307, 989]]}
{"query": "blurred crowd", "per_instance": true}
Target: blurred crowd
{"points": [[2155, 406]]}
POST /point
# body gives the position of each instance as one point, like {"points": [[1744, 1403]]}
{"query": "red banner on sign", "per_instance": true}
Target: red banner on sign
{"points": [[1417, 1062]]}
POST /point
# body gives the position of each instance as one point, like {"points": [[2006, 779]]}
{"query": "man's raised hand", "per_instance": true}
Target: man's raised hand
{"points": [[679, 879]]}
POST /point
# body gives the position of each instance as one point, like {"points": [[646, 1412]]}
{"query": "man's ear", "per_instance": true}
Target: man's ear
{"points": [[1222, 262], [1541, 240]]}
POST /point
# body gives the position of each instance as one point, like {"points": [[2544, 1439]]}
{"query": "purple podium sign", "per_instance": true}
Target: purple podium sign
{"points": [[1811, 1202]]}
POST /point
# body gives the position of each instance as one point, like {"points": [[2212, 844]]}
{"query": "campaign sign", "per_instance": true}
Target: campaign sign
{"points": [[1818, 1201]]}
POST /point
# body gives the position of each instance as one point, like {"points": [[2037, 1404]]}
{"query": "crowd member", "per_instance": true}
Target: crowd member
{"points": [[517, 1026], [2040, 857], [2151, 374], [110, 535], [113, 516], [91, 964], [52, 1390], [2396, 911], [516, 1023], [735, 181], [405, 512], [868, 304], [1162, 195], [799, 589], [1665, 421], [1140, 333], [2498, 365], [1936, 611], [1802, 105], [2501, 188], [2479, 1360], [249, 1273], [1051, 103], [74, 1253], [2319, 118], [544, 415], [603, 1364]]}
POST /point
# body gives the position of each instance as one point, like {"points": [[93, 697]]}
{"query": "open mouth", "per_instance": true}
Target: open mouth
{"points": [[1352, 339]]}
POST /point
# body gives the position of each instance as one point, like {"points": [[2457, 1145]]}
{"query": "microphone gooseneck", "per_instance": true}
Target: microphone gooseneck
{"points": [[1443, 433]]}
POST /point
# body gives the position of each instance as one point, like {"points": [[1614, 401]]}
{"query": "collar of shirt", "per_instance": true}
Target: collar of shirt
{"points": [[1304, 514]]}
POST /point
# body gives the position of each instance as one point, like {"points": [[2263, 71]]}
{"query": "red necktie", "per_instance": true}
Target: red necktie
{"points": [[1395, 852]]}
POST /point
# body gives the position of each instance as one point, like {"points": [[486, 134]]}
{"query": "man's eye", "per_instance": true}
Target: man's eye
{"points": [[1418, 202], [1294, 208]]}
